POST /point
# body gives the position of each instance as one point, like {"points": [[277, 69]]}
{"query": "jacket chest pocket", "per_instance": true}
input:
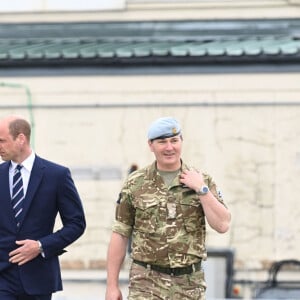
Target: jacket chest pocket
{"points": [[146, 215], [192, 213]]}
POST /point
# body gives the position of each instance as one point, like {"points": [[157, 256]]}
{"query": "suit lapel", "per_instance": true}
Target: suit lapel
{"points": [[35, 179], [4, 180], [5, 194]]}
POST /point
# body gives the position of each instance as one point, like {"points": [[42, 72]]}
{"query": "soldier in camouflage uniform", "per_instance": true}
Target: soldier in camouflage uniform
{"points": [[164, 207]]}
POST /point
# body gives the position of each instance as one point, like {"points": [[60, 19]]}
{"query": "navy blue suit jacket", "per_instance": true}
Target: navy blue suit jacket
{"points": [[50, 191]]}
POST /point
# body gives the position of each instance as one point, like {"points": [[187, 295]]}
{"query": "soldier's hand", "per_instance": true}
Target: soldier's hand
{"points": [[113, 294], [192, 179]]}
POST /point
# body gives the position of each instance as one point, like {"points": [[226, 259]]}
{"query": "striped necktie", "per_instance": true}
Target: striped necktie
{"points": [[17, 194]]}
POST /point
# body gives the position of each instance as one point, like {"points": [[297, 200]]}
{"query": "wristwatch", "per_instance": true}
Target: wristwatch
{"points": [[40, 246], [203, 190]]}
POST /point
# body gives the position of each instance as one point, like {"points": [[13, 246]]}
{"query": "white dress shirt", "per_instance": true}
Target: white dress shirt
{"points": [[25, 171]]}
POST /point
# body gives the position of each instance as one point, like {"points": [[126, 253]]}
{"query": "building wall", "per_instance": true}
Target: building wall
{"points": [[165, 10], [243, 129]]}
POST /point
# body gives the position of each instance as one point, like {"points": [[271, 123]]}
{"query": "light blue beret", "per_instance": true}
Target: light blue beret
{"points": [[163, 128]]}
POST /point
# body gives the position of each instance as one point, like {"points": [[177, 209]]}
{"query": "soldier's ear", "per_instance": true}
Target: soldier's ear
{"points": [[119, 198], [150, 143]]}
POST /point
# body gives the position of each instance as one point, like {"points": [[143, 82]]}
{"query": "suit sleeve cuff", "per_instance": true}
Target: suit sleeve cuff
{"points": [[41, 249]]}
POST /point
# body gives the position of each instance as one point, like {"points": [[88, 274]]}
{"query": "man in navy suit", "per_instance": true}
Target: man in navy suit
{"points": [[29, 246]]}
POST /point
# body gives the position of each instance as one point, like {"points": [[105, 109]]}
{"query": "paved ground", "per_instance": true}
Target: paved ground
{"points": [[87, 285]]}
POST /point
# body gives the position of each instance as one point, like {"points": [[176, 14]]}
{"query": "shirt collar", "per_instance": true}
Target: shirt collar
{"points": [[27, 163]]}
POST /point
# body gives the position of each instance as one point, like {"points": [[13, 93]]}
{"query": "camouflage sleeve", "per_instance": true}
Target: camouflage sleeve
{"points": [[213, 188], [124, 216], [122, 229]]}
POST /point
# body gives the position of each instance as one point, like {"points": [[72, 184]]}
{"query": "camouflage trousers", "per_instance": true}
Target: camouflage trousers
{"points": [[146, 284]]}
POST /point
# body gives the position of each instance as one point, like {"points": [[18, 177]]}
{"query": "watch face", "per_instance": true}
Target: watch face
{"points": [[204, 190]]}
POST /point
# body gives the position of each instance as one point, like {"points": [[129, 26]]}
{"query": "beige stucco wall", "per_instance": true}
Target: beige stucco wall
{"points": [[171, 10], [252, 151]]}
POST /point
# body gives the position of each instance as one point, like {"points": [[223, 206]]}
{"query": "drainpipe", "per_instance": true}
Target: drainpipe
{"points": [[29, 105]]}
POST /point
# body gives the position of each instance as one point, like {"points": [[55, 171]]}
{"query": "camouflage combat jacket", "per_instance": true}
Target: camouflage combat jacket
{"points": [[167, 223]]}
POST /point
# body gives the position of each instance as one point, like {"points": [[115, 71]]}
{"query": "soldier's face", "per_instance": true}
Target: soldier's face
{"points": [[167, 152]]}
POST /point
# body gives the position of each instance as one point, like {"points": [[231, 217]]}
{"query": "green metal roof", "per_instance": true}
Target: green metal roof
{"points": [[143, 43]]}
